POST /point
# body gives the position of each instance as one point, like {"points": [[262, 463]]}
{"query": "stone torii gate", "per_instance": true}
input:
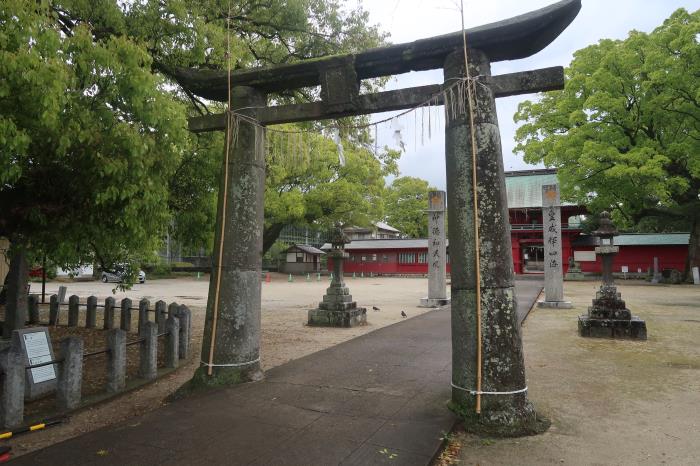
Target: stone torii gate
{"points": [[505, 408]]}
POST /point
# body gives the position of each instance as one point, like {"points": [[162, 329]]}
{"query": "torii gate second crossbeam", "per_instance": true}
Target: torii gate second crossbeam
{"points": [[505, 409]]}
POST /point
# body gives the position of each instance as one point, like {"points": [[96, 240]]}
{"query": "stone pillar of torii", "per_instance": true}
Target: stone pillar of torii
{"points": [[489, 389]]}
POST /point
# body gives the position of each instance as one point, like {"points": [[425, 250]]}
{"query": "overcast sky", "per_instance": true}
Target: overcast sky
{"points": [[408, 20]]}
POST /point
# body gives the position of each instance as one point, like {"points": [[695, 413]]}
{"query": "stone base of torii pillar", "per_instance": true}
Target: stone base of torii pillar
{"points": [[434, 302]]}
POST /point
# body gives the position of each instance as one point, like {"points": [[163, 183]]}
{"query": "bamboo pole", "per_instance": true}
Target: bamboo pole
{"points": [[210, 367], [477, 242]]}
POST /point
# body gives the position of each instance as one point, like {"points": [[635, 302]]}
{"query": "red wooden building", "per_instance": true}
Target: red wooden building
{"points": [[637, 251]]}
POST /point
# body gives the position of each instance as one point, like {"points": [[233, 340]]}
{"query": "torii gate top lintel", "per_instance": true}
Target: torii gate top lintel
{"points": [[339, 76]]}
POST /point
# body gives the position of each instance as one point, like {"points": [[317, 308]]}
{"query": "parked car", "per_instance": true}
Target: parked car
{"points": [[84, 271], [118, 276]]}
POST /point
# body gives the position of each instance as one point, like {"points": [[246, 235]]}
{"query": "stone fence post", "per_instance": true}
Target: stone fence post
{"points": [[148, 363], [109, 314], [33, 305], [125, 317], [73, 310], [70, 376], [11, 388], [91, 312], [54, 307], [172, 341], [160, 315], [172, 310], [185, 316], [116, 360], [144, 304]]}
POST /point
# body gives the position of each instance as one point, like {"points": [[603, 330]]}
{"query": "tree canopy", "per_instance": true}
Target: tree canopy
{"points": [[624, 133], [95, 160], [88, 138], [406, 203]]}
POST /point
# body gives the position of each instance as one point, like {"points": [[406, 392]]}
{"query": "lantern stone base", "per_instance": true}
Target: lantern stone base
{"points": [[434, 302], [609, 317], [338, 318], [574, 276], [631, 329]]}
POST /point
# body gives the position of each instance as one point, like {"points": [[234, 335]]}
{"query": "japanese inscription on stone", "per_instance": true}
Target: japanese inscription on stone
{"points": [[437, 290], [551, 218]]}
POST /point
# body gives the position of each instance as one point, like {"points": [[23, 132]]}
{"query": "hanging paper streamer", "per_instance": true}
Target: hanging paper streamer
{"points": [[335, 132], [398, 137], [292, 149]]}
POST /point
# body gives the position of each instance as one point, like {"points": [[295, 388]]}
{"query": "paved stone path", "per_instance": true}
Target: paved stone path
{"points": [[358, 403]]}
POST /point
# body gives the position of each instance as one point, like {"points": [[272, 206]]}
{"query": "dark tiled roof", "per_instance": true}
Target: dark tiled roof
{"points": [[307, 249], [420, 243]]}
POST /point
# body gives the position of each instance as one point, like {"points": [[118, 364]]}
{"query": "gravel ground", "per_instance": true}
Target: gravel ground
{"points": [[611, 402], [284, 335]]}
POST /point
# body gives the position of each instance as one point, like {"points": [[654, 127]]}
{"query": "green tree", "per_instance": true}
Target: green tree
{"points": [[406, 203], [324, 192], [91, 93], [89, 137], [625, 132]]}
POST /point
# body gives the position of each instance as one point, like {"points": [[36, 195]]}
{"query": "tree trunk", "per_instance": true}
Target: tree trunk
{"points": [[693, 259], [270, 235], [16, 304]]}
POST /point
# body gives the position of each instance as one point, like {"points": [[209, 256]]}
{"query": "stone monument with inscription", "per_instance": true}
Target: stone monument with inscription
{"points": [[437, 252], [553, 267], [609, 317], [337, 308]]}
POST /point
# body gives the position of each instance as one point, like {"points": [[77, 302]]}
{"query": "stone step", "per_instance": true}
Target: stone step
{"points": [[338, 306]]}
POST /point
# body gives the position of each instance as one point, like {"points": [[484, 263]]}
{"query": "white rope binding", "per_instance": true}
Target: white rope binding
{"points": [[475, 392], [241, 364]]}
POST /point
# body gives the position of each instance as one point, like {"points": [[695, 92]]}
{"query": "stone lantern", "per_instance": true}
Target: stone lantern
{"points": [[337, 308], [609, 316], [606, 250]]}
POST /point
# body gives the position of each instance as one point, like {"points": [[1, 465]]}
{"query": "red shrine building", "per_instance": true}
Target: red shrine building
{"points": [[637, 251]]}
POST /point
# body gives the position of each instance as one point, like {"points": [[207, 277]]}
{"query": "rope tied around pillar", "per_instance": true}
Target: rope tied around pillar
{"points": [[479, 392], [240, 364]]}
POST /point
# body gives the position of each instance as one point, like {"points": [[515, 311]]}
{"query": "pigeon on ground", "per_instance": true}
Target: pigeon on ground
{"points": [[375, 308], [403, 314]]}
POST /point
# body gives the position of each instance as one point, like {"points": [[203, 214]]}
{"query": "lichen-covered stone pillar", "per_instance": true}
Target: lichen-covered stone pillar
{"points": [[236, 356], [437, 251], [503, 368]]}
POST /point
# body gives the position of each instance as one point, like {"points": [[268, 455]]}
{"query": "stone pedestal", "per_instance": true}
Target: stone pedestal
{"points": [[609, 317], [337, 308], [553, 266], [434, 302], [437, 252], [574, 273]]}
